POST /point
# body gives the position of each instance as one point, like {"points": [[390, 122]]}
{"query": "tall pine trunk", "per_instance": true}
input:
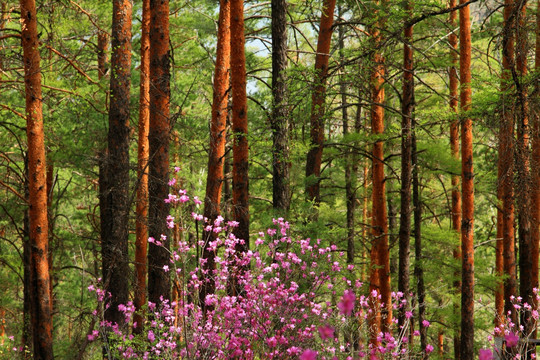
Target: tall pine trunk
{"points": [[506, 163], [40, 293], [143, 154], [418, 266], [535, 165], [114, 240], [454, 148], [218, 140], [351, 166], [314, 156], [280, 111], [523, 164], [467, 188], [407, 109], [379, 257], [158, 138], [239, 125]]}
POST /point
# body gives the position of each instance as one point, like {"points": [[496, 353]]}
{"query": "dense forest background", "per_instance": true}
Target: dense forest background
{"points": [[317, 132]]}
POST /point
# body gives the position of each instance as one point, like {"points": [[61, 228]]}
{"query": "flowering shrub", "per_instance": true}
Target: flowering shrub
{"points": [[506, 342], [295, 301]]}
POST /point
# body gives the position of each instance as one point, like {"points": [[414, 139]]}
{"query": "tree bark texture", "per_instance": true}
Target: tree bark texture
{"points": [[314, 156], [37, 183], [158, 138], [523, 165], [351, 165], [218, 140], [467, 188], [114, 241], [456, 179], [102, 44], [380, 261], [281, 192], [239, 125], [407, 109], [418, 266], [26, 336], [143, 154], [506, 163], [535, 107]]}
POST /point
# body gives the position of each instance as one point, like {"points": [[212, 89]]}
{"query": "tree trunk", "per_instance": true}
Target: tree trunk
{"points": [[314, 156], [50, 220], [454, 147], [407, 109], [280, 110], [418, 266], [114, 241], [535, 165], [351, 166], [143, 154], [37, 183], [380, 263], [523, 163], [102, 44], [506, 163], [239, 125], [218, 140], [467, 188], [158, 139], [26, 338]]}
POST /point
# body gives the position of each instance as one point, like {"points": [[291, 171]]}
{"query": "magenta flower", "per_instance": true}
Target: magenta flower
{"points": [[326, 332], [309, 355], [511, 339], [485, 354], [346, 305]]}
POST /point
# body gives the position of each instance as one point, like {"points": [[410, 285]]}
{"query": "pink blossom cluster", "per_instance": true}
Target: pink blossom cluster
{"points": [[509, 339], [293, 300]]}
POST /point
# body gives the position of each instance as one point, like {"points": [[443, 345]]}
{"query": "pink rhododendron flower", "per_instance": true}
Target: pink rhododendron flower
{"points": [[309, 355], [485, 354], [326, 332], [346, 305], [511, 339], [429, 348]]}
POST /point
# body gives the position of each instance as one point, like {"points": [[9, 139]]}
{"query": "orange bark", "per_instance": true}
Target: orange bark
{"points": [[218, 140], [314, 156], [143, 154], [158, 137], [37, 168], [380, 261], [467, 189], [239, 125]]}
